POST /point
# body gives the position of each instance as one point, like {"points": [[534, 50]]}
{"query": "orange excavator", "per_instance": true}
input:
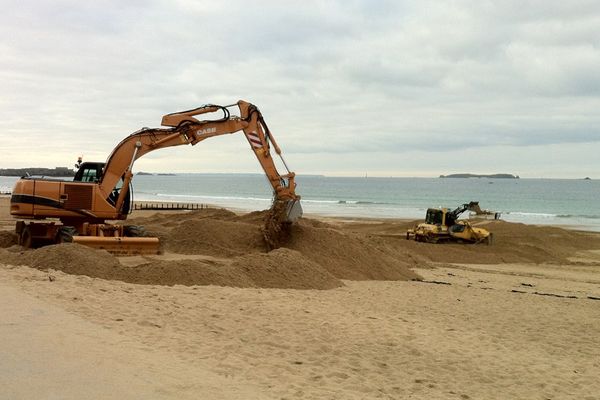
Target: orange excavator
{"points": [[101, 192]]}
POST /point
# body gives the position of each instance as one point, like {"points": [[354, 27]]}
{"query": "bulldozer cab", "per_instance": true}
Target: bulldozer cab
{"points": [[434, 216]]}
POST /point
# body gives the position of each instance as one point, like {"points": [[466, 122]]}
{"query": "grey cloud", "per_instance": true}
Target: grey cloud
{"points": [[331, 77]]}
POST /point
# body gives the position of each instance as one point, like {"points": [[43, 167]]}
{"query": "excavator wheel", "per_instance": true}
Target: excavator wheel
{"points": [[65, 234], [26, 238], [134, 231]]}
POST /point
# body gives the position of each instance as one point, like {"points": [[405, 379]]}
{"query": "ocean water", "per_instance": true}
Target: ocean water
{"points": [[568, 202]]}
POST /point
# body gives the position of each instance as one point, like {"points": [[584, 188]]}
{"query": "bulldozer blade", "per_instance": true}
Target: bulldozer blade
{"points": [[121, 246]]}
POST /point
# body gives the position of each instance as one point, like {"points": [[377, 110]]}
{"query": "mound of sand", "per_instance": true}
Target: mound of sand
{"points": [[346, 256], [185, 272], [317, 256], [281, 268], [538, 244], [513, 243], [220, 233], [213, 237], [7, 239], [169, 220], [285, 268], [68, 257]]}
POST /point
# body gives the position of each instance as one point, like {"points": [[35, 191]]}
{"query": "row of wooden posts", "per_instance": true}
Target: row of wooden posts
{"points": [[158, 206], [168, 206]]}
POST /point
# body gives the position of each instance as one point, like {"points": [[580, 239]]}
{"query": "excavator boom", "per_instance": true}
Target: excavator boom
{"points": [[101, 190]]}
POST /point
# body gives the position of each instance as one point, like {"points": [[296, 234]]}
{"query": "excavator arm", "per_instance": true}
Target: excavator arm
{"points": [[185, 128], [84, 205]]}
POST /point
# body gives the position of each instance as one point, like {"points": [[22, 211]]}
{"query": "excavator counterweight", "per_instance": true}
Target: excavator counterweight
{"points": [[101, 192]]}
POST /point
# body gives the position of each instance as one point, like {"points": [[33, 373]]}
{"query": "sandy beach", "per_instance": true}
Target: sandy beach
{"points": [[349, 309]]}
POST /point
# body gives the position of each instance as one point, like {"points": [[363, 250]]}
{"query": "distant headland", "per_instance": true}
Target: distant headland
{"points": [[152, 174], [57, 171], [492, 176]]}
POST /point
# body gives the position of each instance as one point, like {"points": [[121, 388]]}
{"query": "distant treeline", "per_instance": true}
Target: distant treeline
{"points": [[500, 176], [58, 171]]}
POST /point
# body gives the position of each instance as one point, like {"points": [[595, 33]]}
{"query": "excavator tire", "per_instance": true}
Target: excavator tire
{"points": [[134, 231], [26, 238], [65, 234]]}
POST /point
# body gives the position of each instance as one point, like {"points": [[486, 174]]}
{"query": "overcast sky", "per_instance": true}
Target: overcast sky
{"points": [[388, 88]]}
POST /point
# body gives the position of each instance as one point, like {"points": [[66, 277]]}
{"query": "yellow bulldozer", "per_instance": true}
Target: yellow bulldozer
{"points": [[442, 225]]}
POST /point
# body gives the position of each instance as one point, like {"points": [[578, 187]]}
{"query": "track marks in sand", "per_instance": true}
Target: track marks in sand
{"points": [[560, 281]]}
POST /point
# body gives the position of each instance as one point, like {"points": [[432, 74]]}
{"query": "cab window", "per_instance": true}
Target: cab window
{"points": [[89, 172], [434, 217], [89, 175]]}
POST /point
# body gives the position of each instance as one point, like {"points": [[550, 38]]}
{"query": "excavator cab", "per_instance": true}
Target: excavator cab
{"points": [[89, 172]]}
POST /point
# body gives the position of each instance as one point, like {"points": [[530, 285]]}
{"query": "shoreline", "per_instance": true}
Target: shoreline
{"points": [[328, 217], [349, 218]]}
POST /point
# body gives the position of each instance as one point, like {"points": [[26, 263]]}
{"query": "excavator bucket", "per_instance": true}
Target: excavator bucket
{"points": [[121, 246], [278, 222], [293, 210]]}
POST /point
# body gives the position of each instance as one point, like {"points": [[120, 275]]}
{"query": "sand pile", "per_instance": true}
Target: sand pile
{"points": [[346, 256], [184, 272], [317, 256], [281, 268], [539, 243], [172, 219], [213, 237], [70, 258], [7, 239], [215, 232], [285, 268], [513, 243], [220, 233]]}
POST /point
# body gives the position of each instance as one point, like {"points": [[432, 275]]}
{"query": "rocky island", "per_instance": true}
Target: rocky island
{"points": [[492, 176]]}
